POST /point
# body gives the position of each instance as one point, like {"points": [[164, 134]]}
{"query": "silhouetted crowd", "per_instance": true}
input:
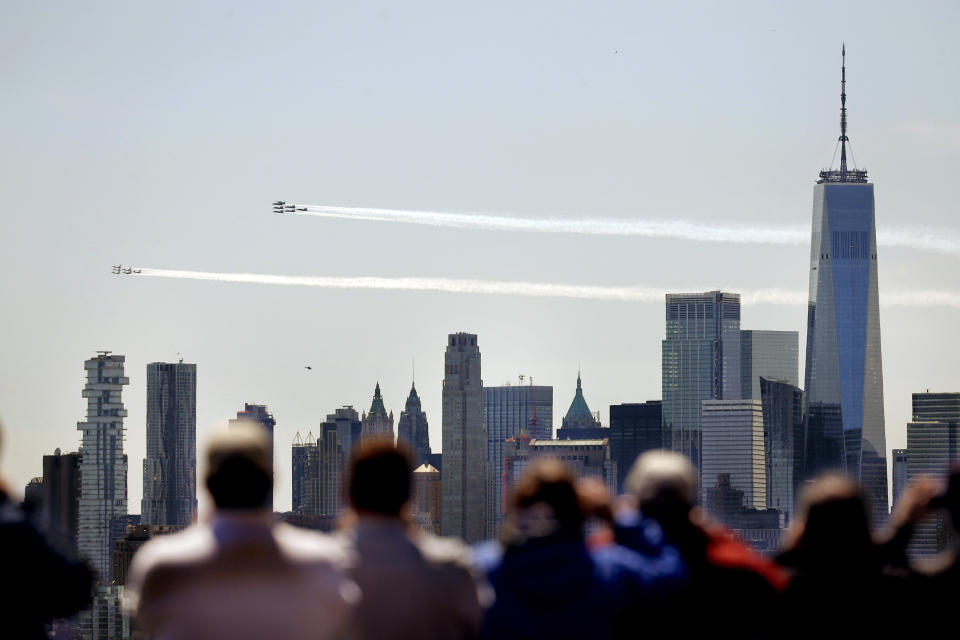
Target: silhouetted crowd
{"points": [[571, 562]]}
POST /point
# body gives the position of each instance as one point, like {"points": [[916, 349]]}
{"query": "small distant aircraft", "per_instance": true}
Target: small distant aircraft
{"points": [[279, 203], [308, 367], [119, 268], [301, 208]]}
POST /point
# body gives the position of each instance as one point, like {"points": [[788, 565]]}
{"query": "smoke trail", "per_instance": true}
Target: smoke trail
{"points": [[934, 239], [931, 298], [591, 226]]}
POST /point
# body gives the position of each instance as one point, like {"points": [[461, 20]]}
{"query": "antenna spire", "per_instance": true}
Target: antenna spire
{"points": [[843, 113]]}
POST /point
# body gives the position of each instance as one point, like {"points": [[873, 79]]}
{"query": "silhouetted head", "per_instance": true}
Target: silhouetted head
{"points": [[833, 524], [380, 477], [239, 468], [544, 501], [953, 496], [664, 484]]}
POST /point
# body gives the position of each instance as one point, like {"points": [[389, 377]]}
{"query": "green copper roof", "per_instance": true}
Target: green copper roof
{"points": [[579, 412], [377, 408]]}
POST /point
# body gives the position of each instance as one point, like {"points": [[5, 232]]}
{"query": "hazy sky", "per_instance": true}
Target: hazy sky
{"points": [[159, 135]]}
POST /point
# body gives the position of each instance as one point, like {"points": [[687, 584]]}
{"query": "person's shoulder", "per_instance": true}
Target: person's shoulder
{"points": [[194, 543], [307, 545], [443, 552]]}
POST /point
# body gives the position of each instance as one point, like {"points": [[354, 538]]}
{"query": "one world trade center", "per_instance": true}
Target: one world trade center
{"points": [[844, 376]]}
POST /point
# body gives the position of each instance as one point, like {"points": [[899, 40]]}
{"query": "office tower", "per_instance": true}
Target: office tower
{"points": [[899, 458], [464, 473], [634, 428], [412, 428], [427, 498], [783, 442], [103, 471], [376, 422], [170, 468], [61, 497], [767, 354], [257, 414], [589, 457], [732, 441], [124, 549], [700, 361], [844, 376], [348, 425], [510, 411], [331, 464], [579, 422], [305, 472], [33, 495], [933, 445]]}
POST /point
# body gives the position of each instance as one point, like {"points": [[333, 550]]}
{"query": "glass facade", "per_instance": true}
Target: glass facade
{"points": [[783, 443], [733, 456], [933, 445], [508, 412], [844, 376], [170, 468], [634, 428], [700, 361], [769, 354]]}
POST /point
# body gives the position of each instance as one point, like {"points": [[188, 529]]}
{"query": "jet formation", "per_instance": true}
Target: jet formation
{"points": [[119, 268], [282, 207]]}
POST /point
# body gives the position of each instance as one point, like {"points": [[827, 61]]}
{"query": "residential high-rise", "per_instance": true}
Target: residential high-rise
{"points": [[580, 423], [427, 498], [464, 474], [700, 361], [732, 437], [103, 471], [843, 373], [767, 354], [61, 497], [257, 414], [412, 428], [170, 468], [634, 429], [305, 476], [377, 422], [933, 445], [508, 412], [783, 443]]}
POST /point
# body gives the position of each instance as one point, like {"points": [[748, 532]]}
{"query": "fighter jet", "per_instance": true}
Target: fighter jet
{"points": [[117, 268], [308, 367], [301, 208], [128, 270], [279, 203]]}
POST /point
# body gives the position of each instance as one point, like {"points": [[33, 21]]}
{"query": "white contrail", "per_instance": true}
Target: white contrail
{"points": [[937, 239], [930, 298]]}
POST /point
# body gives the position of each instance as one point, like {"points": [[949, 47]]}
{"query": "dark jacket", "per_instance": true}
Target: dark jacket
{"points": [[40, 583], [554, 587]]}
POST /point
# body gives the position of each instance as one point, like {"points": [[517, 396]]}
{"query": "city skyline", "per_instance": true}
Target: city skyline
{"points": [[545, 122]]}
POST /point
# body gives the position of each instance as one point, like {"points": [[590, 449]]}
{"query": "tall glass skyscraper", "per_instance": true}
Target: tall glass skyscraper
{"points": [[844, 376], [701, 361], [170, 467], [510, 411]]}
